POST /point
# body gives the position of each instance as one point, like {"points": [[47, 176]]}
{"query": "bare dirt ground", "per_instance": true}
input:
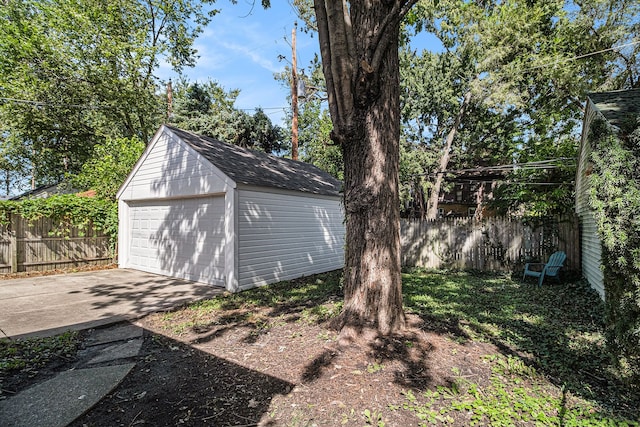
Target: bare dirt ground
{"points": [[284, 374], [249, 369], [25, 274]]}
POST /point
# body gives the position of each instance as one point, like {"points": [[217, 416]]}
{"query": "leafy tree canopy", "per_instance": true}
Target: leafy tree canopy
{"points": [[208, 109], [516, 61], [527, 68], [74, 73], [108, 167]]}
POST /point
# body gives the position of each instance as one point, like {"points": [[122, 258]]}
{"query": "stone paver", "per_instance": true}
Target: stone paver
{"points": [[122, 332], [118, 351], [59, 401]]}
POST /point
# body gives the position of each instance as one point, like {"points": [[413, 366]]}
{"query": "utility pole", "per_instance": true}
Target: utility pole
{"points": [[294, 95], [169, 100]]}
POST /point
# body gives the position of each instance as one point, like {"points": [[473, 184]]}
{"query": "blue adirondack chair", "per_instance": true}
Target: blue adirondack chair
{"points": [[551, 268]]}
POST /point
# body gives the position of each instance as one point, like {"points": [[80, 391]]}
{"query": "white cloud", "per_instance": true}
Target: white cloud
{"points": [[254, 55]]}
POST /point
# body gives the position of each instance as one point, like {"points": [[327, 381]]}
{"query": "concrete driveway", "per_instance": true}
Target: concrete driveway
{"points": [[48, 305]]}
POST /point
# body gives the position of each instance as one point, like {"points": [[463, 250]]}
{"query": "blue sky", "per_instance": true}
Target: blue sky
{"points": [[240, 48]]}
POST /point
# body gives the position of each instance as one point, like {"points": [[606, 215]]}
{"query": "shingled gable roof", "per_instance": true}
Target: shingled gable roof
{"points": [[617, 106], [251, 167]]}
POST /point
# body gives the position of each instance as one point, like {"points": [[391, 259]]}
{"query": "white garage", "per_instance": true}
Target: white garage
{"points": [[202, 210]]}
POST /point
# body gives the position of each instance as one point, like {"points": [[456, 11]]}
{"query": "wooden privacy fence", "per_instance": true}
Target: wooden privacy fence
{"points": [[494, 244], [38, 246]]}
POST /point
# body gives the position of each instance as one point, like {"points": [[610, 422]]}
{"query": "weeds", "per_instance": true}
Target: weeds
{"points": [[515, 395], [373, 418], [372, 368], [315, 299], [30, 354], [320, 313], [560, 326]]}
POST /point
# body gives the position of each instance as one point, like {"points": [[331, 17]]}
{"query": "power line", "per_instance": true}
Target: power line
{"points": [[480, 181], [501, 182], [262, 108], [539, 165], [275, 112], [586, 55], [50, 104], [97, 107]]}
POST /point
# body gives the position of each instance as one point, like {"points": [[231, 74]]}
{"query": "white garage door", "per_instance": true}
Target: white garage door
{"points": [[180, 238]]}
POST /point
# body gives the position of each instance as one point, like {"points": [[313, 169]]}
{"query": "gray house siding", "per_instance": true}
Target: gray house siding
{"points": [[590, 245]]}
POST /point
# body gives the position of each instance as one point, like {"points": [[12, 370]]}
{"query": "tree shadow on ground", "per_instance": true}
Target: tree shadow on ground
{"points": [[409, 352], [556, 329], [547, 328], [258, 309], [173, 383]]}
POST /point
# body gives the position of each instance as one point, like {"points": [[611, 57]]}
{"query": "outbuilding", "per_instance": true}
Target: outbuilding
{"points": [[203, 210]]}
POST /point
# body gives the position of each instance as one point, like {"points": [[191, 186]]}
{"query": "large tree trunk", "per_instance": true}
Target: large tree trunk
{"points": [[359, 47], [434, 197], [373, 288]]}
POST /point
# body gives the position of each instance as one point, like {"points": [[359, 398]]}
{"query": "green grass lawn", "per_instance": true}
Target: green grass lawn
{"points": [[557, 328], [547, 336]]}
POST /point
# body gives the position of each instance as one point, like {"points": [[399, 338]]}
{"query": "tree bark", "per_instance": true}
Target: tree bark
{"points": [[432, 205], [359, 48]]}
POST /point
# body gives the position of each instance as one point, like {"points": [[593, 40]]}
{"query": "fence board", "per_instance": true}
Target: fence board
{"points": [[38, 246], [494, 244]]}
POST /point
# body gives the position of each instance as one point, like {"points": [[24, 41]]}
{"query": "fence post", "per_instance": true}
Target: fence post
{"points": [[13, 242]]}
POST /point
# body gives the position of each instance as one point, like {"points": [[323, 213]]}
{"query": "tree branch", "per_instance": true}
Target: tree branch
{"points": [[382, 37], [338, 60], [351, 45], [325, 52]]}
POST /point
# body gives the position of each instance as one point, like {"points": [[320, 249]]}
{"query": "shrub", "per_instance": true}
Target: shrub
{"points": [[109, 166], [615, 197], [67, 211]]}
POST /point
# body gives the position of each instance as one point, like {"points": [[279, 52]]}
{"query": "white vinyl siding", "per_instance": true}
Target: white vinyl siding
{"points": [[181, 238], [591, 247], [172, 169], [283, 236]]}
